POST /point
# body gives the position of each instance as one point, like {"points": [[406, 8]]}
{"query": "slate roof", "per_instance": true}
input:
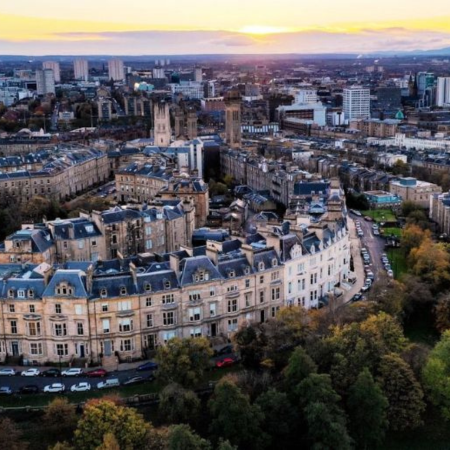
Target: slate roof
{"points": [[75, 278], [193, 264]]}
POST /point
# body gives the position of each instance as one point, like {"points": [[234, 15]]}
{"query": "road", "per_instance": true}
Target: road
{"points": [[375, 246], [16, 382]]}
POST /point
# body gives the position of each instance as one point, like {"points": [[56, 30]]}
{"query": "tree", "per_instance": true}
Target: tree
{"points": [[401, 168], [300, 367], [178, 405], [360, 345], [250, 342], [181, 437], [10, 435], [183, 361], [109, 442], [436, 374], [367, 407], [442, 313], [325, 419], [279, 416], [408, 206], [60, 416], [103, 416], [431, 262], [234, 418], [413, 236], [390, 297], [403, 392]]}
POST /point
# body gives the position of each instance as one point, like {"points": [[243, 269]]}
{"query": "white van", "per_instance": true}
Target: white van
{"points": [[110, 383]]}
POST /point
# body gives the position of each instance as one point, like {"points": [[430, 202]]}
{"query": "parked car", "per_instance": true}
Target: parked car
{"points": [[368, 281], [51, 373], [80, 387], [5, 390], [368, 218], [29, 389], [73, 372], [55, 388], [136, 380], [356, 298], [370, 275], [31, 373], [150, 365], [365, 288], [96, 373], [224, 350], [225, 362], [390, 273], [376, 232], [109, 383], [7, 371]]}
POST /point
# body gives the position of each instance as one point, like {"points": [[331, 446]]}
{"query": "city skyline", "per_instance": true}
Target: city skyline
{"points": [[52, 27]]}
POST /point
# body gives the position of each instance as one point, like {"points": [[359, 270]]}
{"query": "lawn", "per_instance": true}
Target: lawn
{"points": [[392, 231], [381, 215], [398, 262]]}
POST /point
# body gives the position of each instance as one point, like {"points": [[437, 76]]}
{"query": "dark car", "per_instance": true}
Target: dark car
{"points": [[137, 380], [29, 389], [147, 366], [5, 390], [225, 362], [224, 350], [96, 373], [51, 373], [356, 298]]}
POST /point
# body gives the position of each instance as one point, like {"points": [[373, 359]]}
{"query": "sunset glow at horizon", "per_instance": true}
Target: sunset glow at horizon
{"points": [[250, 26]]}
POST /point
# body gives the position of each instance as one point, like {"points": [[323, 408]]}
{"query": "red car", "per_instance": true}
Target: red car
{"points": [[97, 373], [225, 362]]}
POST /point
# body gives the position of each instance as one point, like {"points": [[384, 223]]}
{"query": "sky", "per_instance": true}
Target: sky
{"points": [[158, 27]]}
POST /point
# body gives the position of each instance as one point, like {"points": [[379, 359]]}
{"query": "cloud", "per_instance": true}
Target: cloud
{"points": [[206, 42]]}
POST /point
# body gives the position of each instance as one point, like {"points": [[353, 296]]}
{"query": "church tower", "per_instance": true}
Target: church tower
{"points": [[233, 119], [162, 130], [179, 123], [192, 125]]}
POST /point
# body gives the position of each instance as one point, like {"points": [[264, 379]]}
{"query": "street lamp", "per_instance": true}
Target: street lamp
{"points": [[60, 368]]}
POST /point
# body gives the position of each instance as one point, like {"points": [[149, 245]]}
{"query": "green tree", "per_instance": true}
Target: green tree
{"points": [[403, 392], [280, 417], [181, 437], [300, 366], [183, 361], [250, 342], [234, 418], [178, 405], [390, 297], [324, 417], [401, 168], [367, 407], [103, 416], [436, 375]]}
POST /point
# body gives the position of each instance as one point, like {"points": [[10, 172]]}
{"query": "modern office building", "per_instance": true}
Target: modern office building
{"points": [[443, 91], [45, 82], [55, 67], [116, 70], [356, 103], [81, 69]]}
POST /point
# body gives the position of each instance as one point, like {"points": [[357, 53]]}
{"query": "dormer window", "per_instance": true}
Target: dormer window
{"points": [[64, 289], [274, 262], [231, 274], [103, 293], [261, 266], [147, 287], [11, 293], [247, 270], [30, 293], [123, 290], [166, 284], [21, 293]]}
